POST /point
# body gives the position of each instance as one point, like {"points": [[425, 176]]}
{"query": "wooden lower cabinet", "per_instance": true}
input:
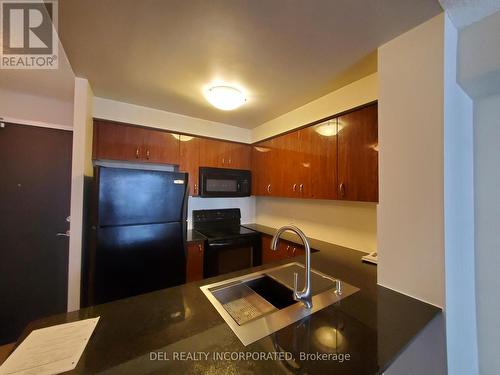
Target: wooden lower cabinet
{"points": [[285, 250], [194, 261]]}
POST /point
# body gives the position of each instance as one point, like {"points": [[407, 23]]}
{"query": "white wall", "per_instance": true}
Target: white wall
{"points": [[479, 74], [37, 110], [410, 214], [479, 57], [355, 94], [487, 183], [459, 217], [81, 169], [348, 224], [246, 205], [155, 118]]}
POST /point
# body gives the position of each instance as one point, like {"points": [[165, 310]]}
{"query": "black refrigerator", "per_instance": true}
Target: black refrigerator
{"points": [[137, 235]]}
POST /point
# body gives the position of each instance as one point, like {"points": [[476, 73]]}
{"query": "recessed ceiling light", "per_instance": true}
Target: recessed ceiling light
{"points": [[226, 98]]}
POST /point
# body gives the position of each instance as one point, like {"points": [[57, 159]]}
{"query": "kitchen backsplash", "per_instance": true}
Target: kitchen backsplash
{"points": [[246, 205]]}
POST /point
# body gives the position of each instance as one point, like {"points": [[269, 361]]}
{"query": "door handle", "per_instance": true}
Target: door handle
{"points": [[217, 244], [147, 154], [137, 152], [301, 188], [342, 190], [294, 187], [65, 234]]}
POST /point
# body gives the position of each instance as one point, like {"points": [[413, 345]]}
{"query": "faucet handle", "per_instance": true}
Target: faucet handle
{"points": [[338, 287], [295, 283]]}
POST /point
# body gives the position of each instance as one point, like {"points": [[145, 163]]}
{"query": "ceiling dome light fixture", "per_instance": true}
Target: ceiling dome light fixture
{"points": [[226, 98], [327, 129]]}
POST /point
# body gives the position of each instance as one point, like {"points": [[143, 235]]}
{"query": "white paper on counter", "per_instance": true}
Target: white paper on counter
{"points": [[50, 350]]}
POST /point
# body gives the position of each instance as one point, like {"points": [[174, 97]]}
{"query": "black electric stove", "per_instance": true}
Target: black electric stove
{"points": [[229, 246]]}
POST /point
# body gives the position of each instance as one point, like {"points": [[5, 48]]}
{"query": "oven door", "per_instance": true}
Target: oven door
{"points": [[229, 255], [220, 182]]}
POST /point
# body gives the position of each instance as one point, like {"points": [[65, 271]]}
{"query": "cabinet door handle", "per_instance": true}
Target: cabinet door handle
{"points": [[137, 153], [229, 162], [294, 250], [223, 161], [147, 154], [301, 188], [196, 188], [269, 188], [294, 187], [342, 190], [288, 249], [200, 249]]}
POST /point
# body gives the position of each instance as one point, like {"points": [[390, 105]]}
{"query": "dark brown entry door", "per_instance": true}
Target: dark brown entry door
{"points": [[35, 180]]}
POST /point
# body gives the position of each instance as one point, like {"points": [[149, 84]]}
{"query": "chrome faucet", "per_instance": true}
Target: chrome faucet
{"points": [[303, 296]]}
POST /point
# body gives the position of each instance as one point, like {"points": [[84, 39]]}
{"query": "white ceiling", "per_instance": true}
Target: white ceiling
{"points": [[284, 53]]}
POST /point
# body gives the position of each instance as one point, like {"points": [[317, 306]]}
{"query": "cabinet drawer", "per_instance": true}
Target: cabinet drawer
{"points": [[285, 250]]}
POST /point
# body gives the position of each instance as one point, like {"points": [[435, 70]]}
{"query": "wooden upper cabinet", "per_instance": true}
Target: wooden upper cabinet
{"points": [[190, 160], [117, 142], [263, 168], [239, 156], [287, 180], [336, 159], [358, 155], [161, 147], [321, 160], [223, 154], [293, 172], [211, 152]]}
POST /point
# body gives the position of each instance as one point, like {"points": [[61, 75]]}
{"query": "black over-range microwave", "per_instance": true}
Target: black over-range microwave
{"points": [[221, 182]]}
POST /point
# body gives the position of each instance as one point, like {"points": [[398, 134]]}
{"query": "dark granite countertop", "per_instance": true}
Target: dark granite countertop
{"points": [[372, 326], [194, 236]]}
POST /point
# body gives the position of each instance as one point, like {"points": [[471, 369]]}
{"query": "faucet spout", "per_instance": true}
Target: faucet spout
{"points": [[304, 295]]}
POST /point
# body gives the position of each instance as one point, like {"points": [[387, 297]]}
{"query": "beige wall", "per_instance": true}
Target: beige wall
{"points": [[135, 114], [357, 93], [37, 110], [81, 168], [410, 214], [348, 224]]}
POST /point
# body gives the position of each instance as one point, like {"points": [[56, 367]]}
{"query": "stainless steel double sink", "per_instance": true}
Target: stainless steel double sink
{"points": [[261, 303]]}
